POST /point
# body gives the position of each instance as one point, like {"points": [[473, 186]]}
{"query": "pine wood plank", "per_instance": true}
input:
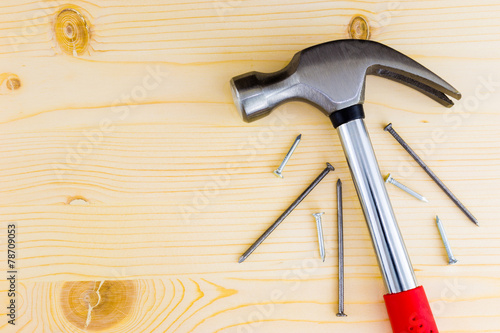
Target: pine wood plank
{"points": [[128, 168]]}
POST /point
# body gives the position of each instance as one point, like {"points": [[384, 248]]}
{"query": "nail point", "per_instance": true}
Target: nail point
{"points": [[287, 157], [388, 178]]}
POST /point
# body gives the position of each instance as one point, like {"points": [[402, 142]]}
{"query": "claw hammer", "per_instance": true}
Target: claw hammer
{"points": [[331, 76]]}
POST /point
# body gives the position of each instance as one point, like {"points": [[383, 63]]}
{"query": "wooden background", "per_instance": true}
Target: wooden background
{"points": [[135, 186]]}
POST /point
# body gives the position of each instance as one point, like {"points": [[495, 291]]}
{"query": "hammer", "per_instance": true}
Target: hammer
{"points": [[331, 76]]}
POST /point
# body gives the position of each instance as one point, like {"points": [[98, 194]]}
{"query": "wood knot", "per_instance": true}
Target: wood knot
{"points": [[72, 31], [77, 201], [9, 82], [98, 305], [359, 28]]}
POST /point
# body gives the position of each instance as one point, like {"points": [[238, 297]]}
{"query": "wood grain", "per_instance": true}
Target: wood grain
{"points": [[127, 167]]}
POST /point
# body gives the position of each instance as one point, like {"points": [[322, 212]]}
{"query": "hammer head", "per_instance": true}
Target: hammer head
{"points": [[331, 76]]}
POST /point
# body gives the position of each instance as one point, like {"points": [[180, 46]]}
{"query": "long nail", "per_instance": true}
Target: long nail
{"points": [[287, 212], [424, 166]]}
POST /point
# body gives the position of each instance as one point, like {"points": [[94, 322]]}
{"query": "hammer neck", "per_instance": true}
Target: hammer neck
{"points": [[348, 114]]}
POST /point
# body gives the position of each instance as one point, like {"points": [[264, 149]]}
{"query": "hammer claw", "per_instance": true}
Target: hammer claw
{"points": [[419, 85]]}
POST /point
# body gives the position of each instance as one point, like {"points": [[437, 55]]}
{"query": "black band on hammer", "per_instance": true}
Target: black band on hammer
{"points": [[346, 115]]}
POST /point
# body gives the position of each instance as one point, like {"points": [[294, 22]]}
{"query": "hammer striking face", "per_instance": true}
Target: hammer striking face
{"points": [[331, 76]]}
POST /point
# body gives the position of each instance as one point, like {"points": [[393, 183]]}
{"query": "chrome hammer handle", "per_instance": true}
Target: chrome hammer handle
{"points": [[407, 305], [389, 247]]}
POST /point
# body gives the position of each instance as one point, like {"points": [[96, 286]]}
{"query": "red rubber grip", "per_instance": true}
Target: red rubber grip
{"points": [[409, 312]]}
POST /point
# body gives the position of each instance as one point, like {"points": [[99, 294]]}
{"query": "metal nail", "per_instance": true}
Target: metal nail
{"points": [[451, 258], [287, 212], [340, 227], [278, 172], [424, 166], [321, 239], [389, 179]]}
